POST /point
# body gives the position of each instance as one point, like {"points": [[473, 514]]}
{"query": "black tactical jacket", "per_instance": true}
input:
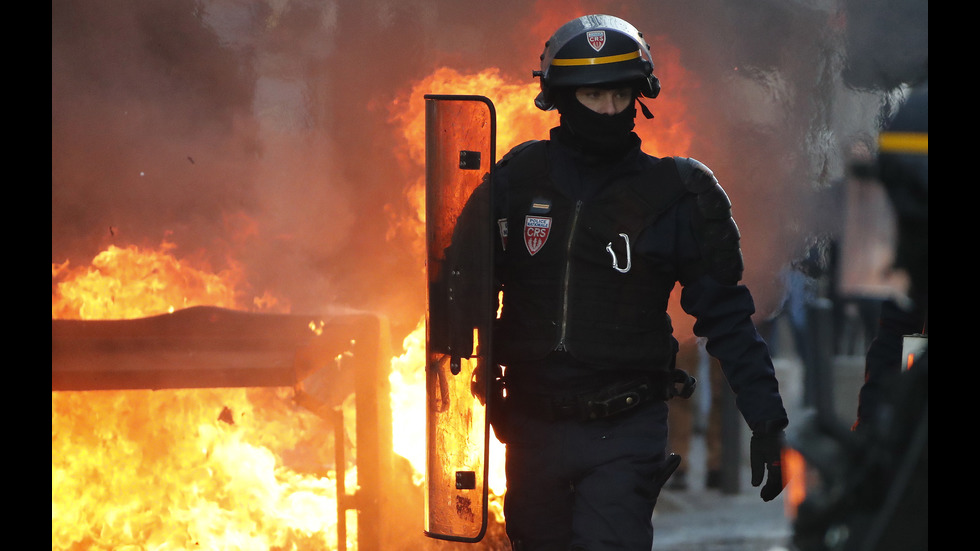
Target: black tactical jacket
{"points": [[589, 252]]}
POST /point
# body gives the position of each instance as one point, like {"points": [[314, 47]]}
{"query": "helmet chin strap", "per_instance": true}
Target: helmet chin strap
{"points": [[646, 111]]}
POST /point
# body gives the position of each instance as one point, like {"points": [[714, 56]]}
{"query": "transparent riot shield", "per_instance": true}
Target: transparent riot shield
{"points": [[461, 304]]}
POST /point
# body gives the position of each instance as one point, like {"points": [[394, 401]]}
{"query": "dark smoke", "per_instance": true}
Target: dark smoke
{"points": [[888, 43], [259, 130]]}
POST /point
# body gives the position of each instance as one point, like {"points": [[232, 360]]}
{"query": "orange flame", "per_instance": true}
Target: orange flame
{"points": [[182, 469], [795, 479], [131, 282], [188, 469]]}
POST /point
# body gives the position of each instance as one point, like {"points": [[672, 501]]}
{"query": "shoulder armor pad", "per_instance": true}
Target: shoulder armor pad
{"points": [[717, 231], [713, 202], [696, 176], [514, 151]]}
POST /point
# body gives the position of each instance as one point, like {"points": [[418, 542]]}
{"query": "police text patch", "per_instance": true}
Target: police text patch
{"points": [[536, 230]]}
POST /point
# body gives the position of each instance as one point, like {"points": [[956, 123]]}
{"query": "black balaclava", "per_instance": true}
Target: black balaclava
{"points": [[591, 132]]}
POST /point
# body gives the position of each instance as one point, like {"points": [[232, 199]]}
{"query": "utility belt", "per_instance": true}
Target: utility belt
{"points": [[606, 402]]}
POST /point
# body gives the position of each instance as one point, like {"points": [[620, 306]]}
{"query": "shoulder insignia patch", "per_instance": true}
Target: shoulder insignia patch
{"points": [[536, 230]]}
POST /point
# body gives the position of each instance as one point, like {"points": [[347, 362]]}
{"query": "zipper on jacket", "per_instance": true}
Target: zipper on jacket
{"points": [[568, 269]]}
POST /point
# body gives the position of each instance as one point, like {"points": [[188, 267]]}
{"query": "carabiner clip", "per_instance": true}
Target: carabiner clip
{"points": [[615, 261]]}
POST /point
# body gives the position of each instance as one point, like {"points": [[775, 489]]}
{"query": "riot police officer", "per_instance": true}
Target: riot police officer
{"points": [[593, 235]]}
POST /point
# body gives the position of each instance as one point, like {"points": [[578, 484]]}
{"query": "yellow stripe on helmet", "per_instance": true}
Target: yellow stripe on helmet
{"points": [[595, 60], [915, 143]]}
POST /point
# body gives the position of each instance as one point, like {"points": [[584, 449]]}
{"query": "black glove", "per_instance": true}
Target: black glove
{"points": [[765, 451]]}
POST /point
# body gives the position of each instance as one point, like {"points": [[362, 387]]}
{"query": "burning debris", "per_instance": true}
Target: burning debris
{"points": [[278, 463], [226, 416]]}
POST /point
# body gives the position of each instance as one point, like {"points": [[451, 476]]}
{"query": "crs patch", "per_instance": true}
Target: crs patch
{"points": [[536, 231], [597, 39]]}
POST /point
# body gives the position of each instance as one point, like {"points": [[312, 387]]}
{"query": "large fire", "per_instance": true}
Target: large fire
{"points": [[244, 468], [227, 468], [131, 282]]}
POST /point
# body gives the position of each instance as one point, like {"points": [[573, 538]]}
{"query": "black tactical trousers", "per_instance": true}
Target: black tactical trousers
{"points": [[585, 485]]}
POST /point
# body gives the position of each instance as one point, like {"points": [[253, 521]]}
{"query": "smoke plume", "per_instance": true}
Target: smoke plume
{"points": [[259, 131]]}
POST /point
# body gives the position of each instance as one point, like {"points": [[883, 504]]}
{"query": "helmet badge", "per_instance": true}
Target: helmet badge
{"points": [[597, 39]]}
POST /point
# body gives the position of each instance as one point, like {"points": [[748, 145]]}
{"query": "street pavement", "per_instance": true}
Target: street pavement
{"points": [[706, 519], [709, 520]]}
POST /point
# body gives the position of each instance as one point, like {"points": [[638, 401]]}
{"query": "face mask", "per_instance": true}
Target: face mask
{"points": [[595, 131]]}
